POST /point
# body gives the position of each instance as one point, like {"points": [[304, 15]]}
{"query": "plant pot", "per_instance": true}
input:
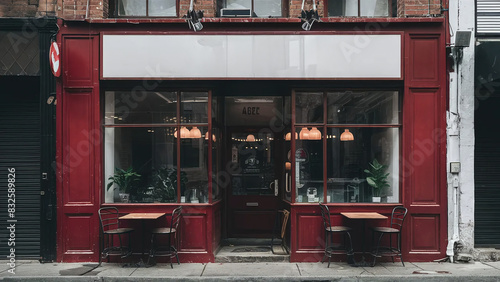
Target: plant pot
{"points": [[124, 197], [376, 199]]}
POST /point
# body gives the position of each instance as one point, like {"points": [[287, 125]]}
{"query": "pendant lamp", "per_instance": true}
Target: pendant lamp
{"points": [[195, 132], [304, 134], [314, 134], [250, 138], [185, 132], [288, 136], [346, 136]]}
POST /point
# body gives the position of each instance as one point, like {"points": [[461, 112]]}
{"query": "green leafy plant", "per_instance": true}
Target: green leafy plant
{"points": [[126, 180], [165, 184], [377, 177]]}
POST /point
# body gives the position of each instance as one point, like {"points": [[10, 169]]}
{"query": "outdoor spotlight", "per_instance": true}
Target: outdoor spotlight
{"points": [[193, 18]]}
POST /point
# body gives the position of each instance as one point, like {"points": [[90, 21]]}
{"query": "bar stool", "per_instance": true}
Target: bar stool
{"points": [[110, 227], [170, 249], [330, 249], [397, 219]]}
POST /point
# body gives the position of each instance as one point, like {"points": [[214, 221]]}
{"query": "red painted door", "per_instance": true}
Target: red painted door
{"points": [[255, 181]]}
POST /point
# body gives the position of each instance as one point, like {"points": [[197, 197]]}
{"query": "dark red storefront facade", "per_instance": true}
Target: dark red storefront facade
{"points": [[420, 126]]}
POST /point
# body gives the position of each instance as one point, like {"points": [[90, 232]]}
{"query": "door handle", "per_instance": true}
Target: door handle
{"points": [[252, 204], [275, 182]]}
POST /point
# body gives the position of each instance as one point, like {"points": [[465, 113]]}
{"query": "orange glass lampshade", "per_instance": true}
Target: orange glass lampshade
{"points": [[314, 134], [304, 134], [195, 132], [346, 136], [250, 138], [288, 136]]}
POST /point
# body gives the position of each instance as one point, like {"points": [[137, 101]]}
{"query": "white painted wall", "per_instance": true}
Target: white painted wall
{"points": [[460, 133]]}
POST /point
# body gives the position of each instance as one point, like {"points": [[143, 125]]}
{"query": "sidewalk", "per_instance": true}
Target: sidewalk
{"points": [[427, 271]]}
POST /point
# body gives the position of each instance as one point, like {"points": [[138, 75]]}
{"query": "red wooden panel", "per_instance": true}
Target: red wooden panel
{"points": [[77, 58], [216, 226], [424, 59], [424, 155], [79, 228], [78, 148], [193, 233], [253, 222], [425, 235], [310, 234]]}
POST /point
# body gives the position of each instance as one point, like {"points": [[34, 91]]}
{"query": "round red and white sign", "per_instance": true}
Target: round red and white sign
{"points": [[54, 58]]}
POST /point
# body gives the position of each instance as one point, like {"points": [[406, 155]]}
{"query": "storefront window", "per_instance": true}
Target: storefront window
{"points": [[309, 166], [309, 107], [348, 161], [362, 147], [142, 136]]}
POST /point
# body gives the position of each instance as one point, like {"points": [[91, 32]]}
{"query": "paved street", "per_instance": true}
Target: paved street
{"points": [[428, 271]]}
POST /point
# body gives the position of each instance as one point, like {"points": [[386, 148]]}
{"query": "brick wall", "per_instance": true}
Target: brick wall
{"points": [[18, 8], [98, 9], [77, 9], [296, 7], [415, 8]]}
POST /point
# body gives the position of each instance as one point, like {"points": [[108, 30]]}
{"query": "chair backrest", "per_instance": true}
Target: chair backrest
{"points": [[108, 218], [325, 214], [176, 217], [398, 217]]}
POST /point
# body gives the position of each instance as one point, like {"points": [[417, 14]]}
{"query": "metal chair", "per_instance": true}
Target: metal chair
{"points": [[330, 249], [170, 249], [110, 227], [397, 219]]}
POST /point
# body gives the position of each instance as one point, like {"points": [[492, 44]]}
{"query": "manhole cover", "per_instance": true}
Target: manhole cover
{"points": [[251, 249]]}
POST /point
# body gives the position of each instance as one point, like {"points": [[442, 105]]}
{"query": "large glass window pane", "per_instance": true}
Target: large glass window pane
{"points": [[140, 161], [132, 8], [165, 8], [194, 166], [134, 107], [374, 8], [347, 162], [309, 169], [363, 107], [308, 107], [342, 8], [239, 4], [267, 8], [194, 107]]}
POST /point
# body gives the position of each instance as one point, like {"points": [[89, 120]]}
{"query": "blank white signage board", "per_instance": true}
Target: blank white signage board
{"points": [[252, 56]]}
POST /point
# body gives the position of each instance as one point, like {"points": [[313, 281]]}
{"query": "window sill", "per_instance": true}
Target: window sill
{"points": [[267, 20]]}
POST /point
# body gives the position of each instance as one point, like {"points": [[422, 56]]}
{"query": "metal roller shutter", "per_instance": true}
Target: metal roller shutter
{"points": [[488, 17], [20, 149]]}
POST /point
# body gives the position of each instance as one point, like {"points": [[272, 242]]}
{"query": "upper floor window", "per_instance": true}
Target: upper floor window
{"points": [[361, 8], [146, 8], [254, 8]]}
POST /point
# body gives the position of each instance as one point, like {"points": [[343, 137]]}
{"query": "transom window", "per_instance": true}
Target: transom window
{"points": [[145, 8]]}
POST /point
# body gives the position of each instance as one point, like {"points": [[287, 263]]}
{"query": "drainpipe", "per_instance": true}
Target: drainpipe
{"points": [[87, 10], [453, 136]]}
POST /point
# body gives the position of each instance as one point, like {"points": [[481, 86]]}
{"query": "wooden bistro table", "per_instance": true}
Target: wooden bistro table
{"points": [[363, 216], [143, 217]]}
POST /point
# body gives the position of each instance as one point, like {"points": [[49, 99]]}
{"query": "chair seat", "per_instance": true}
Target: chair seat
{"points": [[338, 229], [385, 230], [163, 230], [119, 231]]}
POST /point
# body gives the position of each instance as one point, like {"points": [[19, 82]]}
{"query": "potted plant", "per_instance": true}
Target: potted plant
{"points": [[165, 184], [377, 179], [125, 180]]}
